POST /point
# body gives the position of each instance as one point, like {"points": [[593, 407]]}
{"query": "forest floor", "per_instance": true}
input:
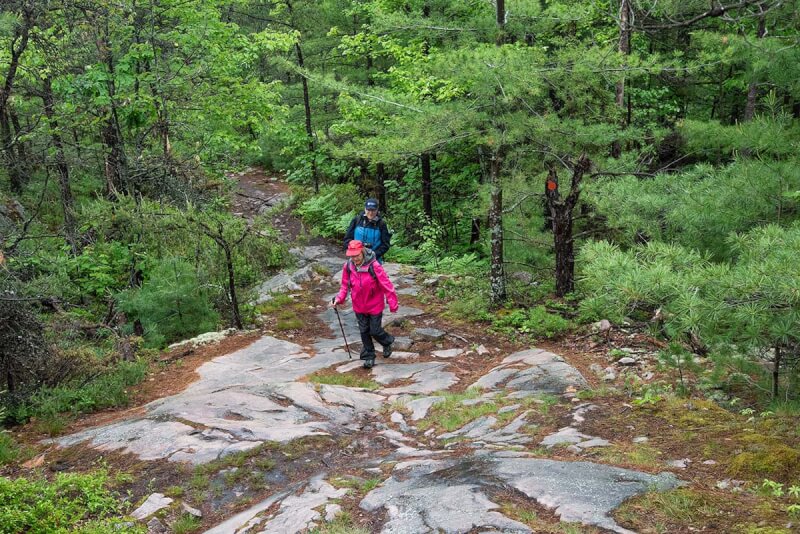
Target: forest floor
{"points": [[461, 430]]}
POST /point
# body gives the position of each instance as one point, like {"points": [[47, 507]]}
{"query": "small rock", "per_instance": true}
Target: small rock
{"points": [[402, 343], [154, 526], [153, 504], [594, 442], [602, 326], [506, 409], [429, 432], [398, 418], [190, 510], [627, 360], [596, 369], [709, 462], [680, 464], [648, 375], [609, 377], [449, 353], [641, 439], [574, 449], [427, 333], [331, 511], [481, 350]]}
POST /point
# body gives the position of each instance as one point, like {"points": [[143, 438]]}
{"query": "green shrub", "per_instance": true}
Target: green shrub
{"points": [[330, 212], [171, 304], [107, 390], [9, 450], [744, 310], [59, 506], [102, 268], [536, 321]]}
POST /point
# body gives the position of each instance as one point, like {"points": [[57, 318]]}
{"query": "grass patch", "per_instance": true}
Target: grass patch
{"points": [[531, 518], [342, 524], [596, 393], [450, 414], [9, 448], [523, 515], [185, 524], [343, 379], [289, 324], [636, 454], [176, 492], [108, 390], [669, 511], [361, 485], [278, 303]]}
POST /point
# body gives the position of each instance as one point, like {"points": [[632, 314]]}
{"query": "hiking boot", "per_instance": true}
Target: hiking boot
{"points": [[387, 350], [369, 363]]}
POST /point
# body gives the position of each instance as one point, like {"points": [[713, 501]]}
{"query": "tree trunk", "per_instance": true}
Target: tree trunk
{"points": [[500, 19], [497, 279], [22, 152], [115, 161], [380, 179], [776, 370], [307, 108], [63, 170], [752, 89], [475, 231], [11, 161], [561, 209], [624, 48], [237, 318], [427, 202]]}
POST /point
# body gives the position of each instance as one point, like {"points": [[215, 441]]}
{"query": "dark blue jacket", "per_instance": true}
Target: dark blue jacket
{"points": [[374, 234]]}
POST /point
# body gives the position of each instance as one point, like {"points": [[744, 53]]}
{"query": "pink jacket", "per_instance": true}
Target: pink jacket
{"points": [[366, 293]]}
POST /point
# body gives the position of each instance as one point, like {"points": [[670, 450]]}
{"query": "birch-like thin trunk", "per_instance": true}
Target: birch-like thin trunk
{"points": [[497, 278], [65, 188]]}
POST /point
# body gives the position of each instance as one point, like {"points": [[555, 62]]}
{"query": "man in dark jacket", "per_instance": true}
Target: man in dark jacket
{"points": [[369, 228]]}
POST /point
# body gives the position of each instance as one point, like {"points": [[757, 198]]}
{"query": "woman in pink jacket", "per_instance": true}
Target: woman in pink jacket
{"points": [[366, 281]]}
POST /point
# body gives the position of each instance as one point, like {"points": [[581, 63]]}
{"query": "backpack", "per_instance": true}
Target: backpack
{"points": [[370, 269]]}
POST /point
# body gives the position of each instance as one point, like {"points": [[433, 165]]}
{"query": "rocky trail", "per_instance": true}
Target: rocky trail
{"points": [[457, 432]]}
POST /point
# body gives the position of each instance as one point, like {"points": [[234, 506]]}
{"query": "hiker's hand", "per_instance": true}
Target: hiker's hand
{"points": [[333, 303], [393, 310]]}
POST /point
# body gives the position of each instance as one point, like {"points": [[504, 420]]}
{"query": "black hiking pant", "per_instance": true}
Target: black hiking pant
{"points": [[369, 326]]}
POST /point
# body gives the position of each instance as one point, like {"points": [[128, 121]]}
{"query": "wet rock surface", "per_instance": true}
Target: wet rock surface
{"points": [[451, 495], [425, 480]]}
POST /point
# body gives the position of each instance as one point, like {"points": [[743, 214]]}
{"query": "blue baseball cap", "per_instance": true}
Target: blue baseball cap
{"points": [[371, 204]]}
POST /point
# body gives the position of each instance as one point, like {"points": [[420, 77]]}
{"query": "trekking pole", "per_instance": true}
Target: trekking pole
{"points": [[349, 356]]}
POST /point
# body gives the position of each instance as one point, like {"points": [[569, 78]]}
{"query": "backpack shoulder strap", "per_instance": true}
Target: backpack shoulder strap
{"points": [[371, 270]]}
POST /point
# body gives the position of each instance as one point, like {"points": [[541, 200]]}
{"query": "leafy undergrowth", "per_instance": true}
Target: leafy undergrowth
{"points": [[84, 502], [53, 408]]}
